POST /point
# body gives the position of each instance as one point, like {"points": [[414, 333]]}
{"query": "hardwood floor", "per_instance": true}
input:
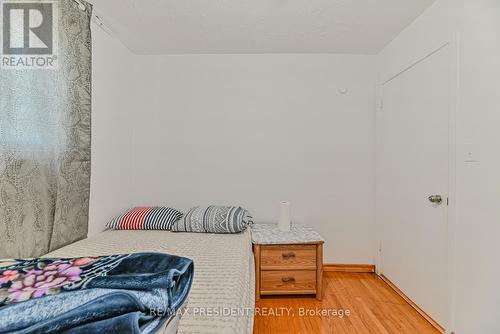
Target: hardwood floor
{"points": [[374, 308]]}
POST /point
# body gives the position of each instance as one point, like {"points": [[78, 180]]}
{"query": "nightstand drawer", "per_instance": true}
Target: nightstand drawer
{"points": [[288, 257], [288, 282]]}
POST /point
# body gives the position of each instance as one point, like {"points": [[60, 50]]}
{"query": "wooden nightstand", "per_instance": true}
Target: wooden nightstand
{"points": [[287, 263]]}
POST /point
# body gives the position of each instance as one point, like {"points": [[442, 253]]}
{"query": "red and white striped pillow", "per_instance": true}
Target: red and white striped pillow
{"points": [[146, 218]]}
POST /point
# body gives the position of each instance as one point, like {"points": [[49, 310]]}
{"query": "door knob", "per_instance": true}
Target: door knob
{"points": [[435, 199]]}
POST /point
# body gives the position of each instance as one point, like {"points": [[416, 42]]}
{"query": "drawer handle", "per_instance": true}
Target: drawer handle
{"points": [[288, 255], [288, 279]]}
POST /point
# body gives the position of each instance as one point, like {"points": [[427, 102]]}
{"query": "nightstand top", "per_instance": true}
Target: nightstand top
{"points": [[269, 234]]}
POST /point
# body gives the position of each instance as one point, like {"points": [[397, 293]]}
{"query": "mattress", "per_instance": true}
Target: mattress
{"points": [[222, 296]]}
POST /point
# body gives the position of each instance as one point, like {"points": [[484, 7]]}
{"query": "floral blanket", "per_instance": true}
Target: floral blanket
{"points": [[126, 293]]}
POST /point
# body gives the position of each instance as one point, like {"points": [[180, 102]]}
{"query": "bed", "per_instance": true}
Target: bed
{"points": [[224, 279]]}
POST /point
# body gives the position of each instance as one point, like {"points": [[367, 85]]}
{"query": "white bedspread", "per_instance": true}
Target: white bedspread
{"points": [[224, 274]]}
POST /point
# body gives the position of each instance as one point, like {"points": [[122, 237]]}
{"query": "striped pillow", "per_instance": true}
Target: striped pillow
{"points": [[146, 218]]}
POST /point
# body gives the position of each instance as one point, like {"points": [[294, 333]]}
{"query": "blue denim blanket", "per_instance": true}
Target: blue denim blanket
{"points": [[127, 293]]}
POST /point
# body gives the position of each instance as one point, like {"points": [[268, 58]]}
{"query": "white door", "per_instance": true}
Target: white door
{"points": [[412, 165]]}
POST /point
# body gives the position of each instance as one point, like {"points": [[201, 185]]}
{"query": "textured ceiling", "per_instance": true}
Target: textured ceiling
{"points": [[257, 26]]}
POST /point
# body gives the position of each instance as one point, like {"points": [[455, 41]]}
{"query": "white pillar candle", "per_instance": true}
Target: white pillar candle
{"points": [[284, 221]]}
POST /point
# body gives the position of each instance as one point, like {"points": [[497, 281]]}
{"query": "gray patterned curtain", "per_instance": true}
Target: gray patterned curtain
{"points": [[45, 131]]}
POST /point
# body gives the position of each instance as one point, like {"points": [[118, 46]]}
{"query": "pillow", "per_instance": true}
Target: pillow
{"points": [[146, 218], [214, 219]]}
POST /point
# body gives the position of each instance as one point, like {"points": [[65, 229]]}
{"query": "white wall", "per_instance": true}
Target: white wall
{"points": [[110, 188], [436, 26], [257, 129], [477, 288], [473, 28]]}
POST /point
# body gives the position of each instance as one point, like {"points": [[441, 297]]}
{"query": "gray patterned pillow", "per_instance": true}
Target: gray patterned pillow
{"points": [[214, 219]]}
